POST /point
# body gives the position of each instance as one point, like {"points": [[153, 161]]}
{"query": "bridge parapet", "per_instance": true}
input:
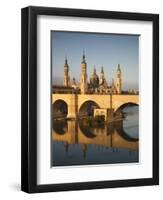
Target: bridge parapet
{"points": [[119, 100]]}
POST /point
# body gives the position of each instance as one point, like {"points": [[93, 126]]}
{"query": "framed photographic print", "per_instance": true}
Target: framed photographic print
{"points": [[90, 99]]}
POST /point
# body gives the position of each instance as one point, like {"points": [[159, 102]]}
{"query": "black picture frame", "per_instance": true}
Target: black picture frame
{"points": [[29, 98]]}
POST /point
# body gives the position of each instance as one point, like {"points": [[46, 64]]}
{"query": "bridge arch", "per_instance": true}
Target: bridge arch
{"points": [[122, 132], [122, 129], [60, 127], [88, 133], [86, 109], [60, 108], [123, 105]]}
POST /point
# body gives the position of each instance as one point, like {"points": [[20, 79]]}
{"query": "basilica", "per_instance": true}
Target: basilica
{"points": [[96, 84]]}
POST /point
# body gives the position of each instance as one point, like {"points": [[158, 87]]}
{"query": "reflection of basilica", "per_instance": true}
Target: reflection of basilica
{"points": [[72, 132]]}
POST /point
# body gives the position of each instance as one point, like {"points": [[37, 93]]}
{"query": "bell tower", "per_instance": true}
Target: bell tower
{"points": [[66, 73], [118, 80], [83, 75], [102, 76]]}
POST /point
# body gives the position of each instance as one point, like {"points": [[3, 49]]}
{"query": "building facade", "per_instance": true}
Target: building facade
{"points": [[96, 84]]}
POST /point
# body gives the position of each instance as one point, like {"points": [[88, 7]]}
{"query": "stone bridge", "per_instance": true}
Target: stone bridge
{"points": [[76, 103]]}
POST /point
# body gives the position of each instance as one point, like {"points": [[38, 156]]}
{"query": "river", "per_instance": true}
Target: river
{"points": [[76, 144]]}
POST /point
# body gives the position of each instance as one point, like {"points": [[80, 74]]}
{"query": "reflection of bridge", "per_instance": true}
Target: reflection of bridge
{"points": [[72, 133], [76, 103]]}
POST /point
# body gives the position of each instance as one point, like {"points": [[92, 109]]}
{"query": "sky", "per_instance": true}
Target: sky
{"points": [[100, 49]]}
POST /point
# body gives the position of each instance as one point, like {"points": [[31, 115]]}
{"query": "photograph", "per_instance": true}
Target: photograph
{"points": [[94, 98], [90, 99]]}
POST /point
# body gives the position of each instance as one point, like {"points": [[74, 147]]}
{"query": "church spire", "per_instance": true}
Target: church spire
{"points": [[118, 80], [102, 76], [66, 63], [94, 70], [83, 57], [118, 68], [102, 70], [83, 75], [66, 73]]}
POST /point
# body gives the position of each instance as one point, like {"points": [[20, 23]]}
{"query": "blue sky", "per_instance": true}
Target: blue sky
{"points": [[108, 50]]}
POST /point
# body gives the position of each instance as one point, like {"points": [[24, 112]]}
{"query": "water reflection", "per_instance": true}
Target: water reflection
{"points": [[74, 143]]}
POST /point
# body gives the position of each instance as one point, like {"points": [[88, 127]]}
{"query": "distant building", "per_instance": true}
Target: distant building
{"points": [[101, 112], [107, 113], [64, 89]]}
